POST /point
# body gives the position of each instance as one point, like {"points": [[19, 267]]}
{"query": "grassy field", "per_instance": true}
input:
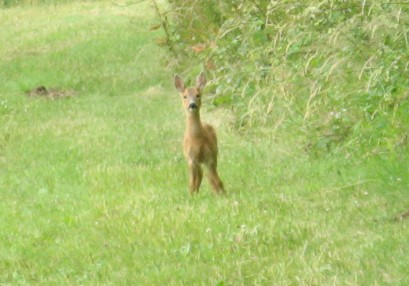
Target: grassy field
{"points": [[94, 187]]}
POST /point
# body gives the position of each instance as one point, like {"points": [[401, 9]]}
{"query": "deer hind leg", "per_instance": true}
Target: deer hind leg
{"points": [[196, 175], [214, 178]]}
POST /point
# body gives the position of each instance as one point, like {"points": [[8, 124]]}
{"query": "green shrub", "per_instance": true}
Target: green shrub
{"points": [[335, 71]]}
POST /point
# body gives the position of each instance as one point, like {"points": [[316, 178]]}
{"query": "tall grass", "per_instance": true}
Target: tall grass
{"points": [[332, 70]]}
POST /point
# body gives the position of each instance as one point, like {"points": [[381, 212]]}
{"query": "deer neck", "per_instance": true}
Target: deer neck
{"points": [[194, 127]]}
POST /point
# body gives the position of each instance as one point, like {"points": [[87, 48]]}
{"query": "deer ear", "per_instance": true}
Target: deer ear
{"points": [[179, 84], [201, 81]]}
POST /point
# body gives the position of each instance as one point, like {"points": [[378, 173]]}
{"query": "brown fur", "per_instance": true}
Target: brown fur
{"points": [[200, 141]]}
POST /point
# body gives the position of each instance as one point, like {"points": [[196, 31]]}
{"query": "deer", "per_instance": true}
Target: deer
{"points": [[200, 140]]}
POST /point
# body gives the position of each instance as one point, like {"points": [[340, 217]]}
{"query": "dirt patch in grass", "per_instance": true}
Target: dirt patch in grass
{"points": [[402, 216], [50, 93]]}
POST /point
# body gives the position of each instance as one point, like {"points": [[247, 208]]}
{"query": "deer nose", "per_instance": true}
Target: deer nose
{"points": [[192, 105]]}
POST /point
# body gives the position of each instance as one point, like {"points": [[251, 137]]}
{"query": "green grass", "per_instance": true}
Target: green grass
{"points": [[94, 187]]}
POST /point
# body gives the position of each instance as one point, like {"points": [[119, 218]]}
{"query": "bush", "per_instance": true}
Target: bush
{"points": [[333, 70]]}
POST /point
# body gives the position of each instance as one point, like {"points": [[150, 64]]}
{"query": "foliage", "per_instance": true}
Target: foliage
{"points": [[335, 71]]}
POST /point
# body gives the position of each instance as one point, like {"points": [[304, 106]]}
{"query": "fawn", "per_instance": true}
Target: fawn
{"points": [[200, 141]]}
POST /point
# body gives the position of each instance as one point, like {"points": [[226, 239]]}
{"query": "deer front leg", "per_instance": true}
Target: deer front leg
{"points": [[196, 175], [214, 179]]}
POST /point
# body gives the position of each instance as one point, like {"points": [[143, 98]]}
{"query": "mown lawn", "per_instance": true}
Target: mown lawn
{"points": [[94, 187]]}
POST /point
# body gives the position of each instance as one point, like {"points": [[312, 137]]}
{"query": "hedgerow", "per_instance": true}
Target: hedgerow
{"points": [[334, 71]]}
